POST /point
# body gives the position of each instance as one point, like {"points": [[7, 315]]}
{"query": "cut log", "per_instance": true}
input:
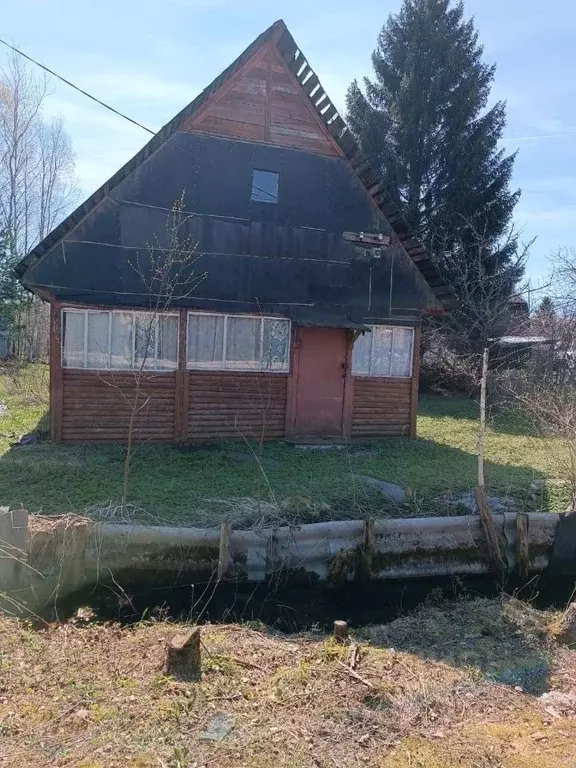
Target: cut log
{"points": [[183, 656], [341, 631]]}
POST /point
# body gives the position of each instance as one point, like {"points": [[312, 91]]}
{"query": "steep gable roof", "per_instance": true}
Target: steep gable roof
{"points": [[262, 87]]}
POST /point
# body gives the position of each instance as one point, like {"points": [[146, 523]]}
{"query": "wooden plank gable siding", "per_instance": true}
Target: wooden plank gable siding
{"points": [[234, 405], [263, 102], [381, 407]]}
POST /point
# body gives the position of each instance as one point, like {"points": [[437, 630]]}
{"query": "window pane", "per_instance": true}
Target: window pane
{"points": [[205, 341], [381, 350], [275, 354], [243, 343], [168, 342], [361, 354], [264, 187], [145, 347], [121, 346], [73, 339], [97, 340], [402, 352]]}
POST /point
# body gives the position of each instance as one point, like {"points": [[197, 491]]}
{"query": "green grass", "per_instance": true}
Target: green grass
{"points": [[200, 485]]}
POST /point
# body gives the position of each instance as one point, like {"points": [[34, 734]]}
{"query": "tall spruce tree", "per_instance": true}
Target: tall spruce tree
{"points": [[424, 123], [546, 308]]}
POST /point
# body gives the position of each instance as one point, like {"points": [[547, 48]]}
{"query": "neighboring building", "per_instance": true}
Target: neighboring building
{"points": [[305, 324]]}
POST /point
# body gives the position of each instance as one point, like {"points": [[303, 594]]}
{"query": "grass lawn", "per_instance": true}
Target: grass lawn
{"points": [[456, 684], [201, 484]]}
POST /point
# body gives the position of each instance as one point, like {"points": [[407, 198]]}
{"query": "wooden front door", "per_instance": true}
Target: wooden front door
{"points": [[320, 379]]}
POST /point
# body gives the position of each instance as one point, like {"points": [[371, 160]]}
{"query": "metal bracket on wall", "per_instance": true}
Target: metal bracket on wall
{"points": [[366, 238]]}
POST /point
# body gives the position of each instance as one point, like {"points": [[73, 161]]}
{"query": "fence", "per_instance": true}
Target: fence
{"points": [[53, 557]]}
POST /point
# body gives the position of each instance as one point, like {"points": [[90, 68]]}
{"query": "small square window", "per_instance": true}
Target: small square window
{"points": [[264, 186]]}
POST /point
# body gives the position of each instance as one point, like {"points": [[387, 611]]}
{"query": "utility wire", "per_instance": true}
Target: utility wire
{"points": [[54, 74]]}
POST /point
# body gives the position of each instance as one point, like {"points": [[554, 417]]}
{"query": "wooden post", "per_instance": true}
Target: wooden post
{"points": [[414, 384], [522, 545], [366, 552], [341, 631], [348, 395], [224, 551], [183, 656], [56, 372], [369, 536], [493, 544], [292, 383]]}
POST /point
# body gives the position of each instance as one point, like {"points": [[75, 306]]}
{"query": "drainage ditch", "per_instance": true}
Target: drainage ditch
{"points": [[295, 605]]}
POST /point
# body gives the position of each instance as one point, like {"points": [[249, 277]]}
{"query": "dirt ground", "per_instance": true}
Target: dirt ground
{"points": [[479, 684]]}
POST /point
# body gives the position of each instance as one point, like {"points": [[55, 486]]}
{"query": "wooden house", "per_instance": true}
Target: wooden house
{"points": [[301, 319]]}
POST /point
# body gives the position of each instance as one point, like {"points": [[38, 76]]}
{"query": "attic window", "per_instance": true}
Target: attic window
{"points": [[264, 186]]}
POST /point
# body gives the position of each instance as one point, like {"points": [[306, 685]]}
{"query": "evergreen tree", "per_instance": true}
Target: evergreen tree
{"points": [[424, 124], [546, 309], [10, 289]]}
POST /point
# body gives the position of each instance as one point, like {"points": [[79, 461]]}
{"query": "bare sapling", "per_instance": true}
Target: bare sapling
{"points": [[493, 544], [165, 272]]}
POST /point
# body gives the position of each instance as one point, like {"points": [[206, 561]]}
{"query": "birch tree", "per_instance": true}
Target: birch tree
{"points": [[37, 183]]}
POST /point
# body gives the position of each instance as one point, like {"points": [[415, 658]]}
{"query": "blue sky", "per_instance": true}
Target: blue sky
{"points": [[148, 59]]}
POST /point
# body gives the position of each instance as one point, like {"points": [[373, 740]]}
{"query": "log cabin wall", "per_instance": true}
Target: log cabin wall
{"points": [[234, 405], [194, 406], [97, 406], [381, 407], [168, 406]]}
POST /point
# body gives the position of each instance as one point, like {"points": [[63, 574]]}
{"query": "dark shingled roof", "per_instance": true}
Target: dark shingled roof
{"points": [[313, 90]]}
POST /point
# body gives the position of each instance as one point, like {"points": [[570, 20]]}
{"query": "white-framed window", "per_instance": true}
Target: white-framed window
{"points": [[237, 342], [386, 351], [119, 340]]}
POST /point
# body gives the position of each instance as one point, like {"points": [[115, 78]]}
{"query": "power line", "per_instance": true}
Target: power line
{"points": [[63, 79]]}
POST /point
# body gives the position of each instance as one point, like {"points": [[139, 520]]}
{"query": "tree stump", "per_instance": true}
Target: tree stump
{"points": [[567, 633], [183, 658], [341, 631]]}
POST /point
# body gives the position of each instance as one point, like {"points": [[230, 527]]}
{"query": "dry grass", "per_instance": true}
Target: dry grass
{"points": [[93, 696]]}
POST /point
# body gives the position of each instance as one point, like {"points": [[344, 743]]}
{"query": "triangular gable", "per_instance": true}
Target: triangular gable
{"points": [[263, 101], [287, 107]]}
